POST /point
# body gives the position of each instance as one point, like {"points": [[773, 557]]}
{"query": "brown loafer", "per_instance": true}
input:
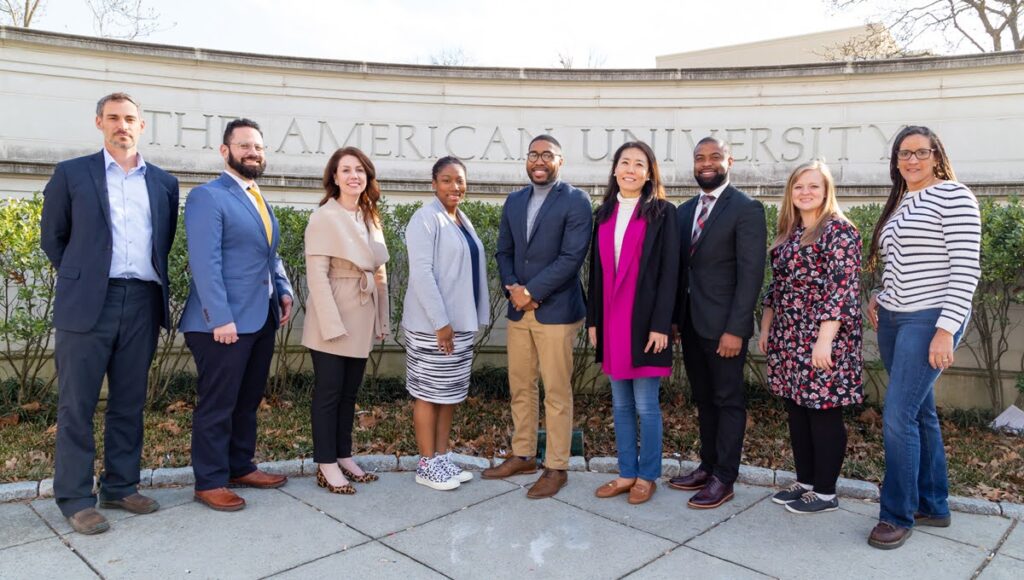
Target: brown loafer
{"points": [[221, 499], [514, 465], [135, 503], [714, 494], [692, 481], [89, 522], [549, 483], [258, 479], [642, 491], [613, 488], [886, 536]]}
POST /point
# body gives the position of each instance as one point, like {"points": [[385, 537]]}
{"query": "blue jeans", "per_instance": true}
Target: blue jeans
{"points": [[632, 399], [915, 460]]}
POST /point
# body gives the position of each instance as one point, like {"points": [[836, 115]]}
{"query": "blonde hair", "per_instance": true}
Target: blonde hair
{"points": [[789, 217]]}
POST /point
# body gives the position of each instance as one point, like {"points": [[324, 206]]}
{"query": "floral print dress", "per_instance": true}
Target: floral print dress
{"points": [[810, 285]]}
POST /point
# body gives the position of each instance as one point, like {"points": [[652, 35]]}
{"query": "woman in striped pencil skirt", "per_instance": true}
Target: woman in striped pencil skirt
{"points": [[446, 303], [927, 242]]}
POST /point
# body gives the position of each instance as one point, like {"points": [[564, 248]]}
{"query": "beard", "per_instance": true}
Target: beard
{"points": [[246, 171], [712, 183]]}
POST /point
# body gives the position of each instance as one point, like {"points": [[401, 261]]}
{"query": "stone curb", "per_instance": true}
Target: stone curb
{"points": [[751, 475]]}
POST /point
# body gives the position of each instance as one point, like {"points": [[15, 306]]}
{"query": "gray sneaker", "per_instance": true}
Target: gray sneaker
{"points": [[791, 493], [810, 503]]}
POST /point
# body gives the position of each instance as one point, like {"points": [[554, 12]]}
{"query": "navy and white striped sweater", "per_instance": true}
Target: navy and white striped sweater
{"points": [[931, 247]]}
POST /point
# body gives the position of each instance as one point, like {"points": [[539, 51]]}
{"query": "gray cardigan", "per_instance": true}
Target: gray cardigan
{"points": [[440, 288]]}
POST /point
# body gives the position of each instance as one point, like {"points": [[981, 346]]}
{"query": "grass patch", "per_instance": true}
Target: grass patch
{"points": [[982, 463]]}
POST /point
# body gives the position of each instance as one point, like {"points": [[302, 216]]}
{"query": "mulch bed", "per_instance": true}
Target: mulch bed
{"points": [[982, 464]]}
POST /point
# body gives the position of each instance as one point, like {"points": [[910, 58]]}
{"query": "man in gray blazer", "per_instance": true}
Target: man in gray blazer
{"points": [[542, 242]]}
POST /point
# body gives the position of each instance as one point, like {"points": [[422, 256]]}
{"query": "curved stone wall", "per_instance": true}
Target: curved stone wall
{"points": [[406, 116]]}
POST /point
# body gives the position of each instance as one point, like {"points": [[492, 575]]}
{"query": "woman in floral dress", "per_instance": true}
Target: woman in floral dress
{"points": [[811, 332]]}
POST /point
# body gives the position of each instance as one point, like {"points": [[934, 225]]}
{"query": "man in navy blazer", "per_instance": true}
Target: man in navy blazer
{"points": [[107, 227], [238, 296], [721, 271], [542, 243]]}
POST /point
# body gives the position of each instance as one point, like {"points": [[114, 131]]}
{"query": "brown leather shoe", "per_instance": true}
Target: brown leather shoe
{"points": [[613, 488], [886, 536], [258, 479], [933, 521], [714, 494], [512, 466], [135, 503], [89, 522], [692, 481], [549, 483], [642, 491], [221, 499]]}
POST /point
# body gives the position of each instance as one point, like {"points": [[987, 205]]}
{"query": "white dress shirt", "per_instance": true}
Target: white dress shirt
{"points": [[131, 224]]}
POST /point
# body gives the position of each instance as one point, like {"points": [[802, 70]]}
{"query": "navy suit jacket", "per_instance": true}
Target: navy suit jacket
{"points": [[549, 264], [75, 234], [230, 260], [720, 283]]}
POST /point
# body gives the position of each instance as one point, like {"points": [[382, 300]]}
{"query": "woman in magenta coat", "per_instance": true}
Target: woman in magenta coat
{"points": [[634, 264]]}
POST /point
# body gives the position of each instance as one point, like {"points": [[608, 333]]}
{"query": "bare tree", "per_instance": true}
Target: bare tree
{"points": [[594, 59], [451, 57], [19, 13], [986, 25], [876, 42], [124, 19]]}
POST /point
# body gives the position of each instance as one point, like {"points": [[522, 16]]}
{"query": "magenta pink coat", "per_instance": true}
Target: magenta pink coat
{"points": [[619, 293]]}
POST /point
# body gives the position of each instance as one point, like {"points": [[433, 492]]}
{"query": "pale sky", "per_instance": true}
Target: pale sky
{"points": [[624, 33]]}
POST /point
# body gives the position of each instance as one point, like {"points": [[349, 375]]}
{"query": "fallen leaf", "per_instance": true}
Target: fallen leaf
{"points": [[52, 429], [177, 407], [169, 426], [31, 407], [9, 420]]}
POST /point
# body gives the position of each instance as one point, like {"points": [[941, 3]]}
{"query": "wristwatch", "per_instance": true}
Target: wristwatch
{"points": [[526, 291]]}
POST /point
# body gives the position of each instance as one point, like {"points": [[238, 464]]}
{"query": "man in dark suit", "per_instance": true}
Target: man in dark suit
{"points": [[720, 276], [542, 242], [238, 297], [107, 226]]}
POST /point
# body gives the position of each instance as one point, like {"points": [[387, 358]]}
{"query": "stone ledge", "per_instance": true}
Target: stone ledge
{"points": [[971, 505], [1012, 510], [408, 462], [603, 465], [288, 467], [375, 463], [756, 476], [173, 476], [577, 463], [19, 490], [857, 489]]}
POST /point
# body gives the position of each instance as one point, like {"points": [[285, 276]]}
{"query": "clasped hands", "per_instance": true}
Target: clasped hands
{"points": [[655, 340], [519, 299]]}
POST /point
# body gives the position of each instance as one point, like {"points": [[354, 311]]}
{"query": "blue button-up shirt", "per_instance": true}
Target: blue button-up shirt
{"points": [[131, 225]]}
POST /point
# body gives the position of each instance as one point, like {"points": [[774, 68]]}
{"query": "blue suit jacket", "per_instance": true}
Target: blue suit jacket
{"points": [[75, 234], [230, 260], [549, 264]]}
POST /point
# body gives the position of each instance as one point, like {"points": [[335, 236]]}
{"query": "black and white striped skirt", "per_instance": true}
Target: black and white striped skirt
{"points": [[433, 376]]}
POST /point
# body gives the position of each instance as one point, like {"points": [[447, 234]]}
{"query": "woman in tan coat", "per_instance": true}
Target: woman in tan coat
{"points": [[347, 308]]}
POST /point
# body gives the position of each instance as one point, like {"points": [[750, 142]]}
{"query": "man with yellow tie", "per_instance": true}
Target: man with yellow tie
{"points": [[238, 296]]}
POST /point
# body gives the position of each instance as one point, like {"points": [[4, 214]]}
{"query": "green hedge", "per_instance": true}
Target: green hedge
{"points": [[26, 298]]}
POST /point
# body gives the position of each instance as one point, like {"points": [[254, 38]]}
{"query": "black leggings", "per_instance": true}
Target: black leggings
{"points": [[819, 445], [336, 383]]}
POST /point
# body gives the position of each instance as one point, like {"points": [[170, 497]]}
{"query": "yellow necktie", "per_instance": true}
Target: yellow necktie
{"points": [[261, 206]]}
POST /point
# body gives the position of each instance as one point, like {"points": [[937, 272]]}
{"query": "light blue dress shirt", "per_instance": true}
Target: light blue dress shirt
{"points": [[131, 225]]}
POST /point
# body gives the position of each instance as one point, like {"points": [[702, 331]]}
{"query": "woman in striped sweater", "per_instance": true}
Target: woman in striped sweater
{"points": [[928, 242]]}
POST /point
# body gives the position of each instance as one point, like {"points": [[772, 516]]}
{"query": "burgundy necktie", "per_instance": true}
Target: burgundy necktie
{"points": [[705, 207]]}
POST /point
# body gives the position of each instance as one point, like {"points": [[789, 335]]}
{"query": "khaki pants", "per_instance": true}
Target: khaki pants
{"points": [[546, 348]]}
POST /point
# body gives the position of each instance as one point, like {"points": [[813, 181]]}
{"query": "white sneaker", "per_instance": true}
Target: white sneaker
{"points": [[433, 474], [454, 470]]}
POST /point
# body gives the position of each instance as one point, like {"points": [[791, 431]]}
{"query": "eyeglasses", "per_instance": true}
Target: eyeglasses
{"points": [[546, 156], [249, 147], [905, 154]]}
